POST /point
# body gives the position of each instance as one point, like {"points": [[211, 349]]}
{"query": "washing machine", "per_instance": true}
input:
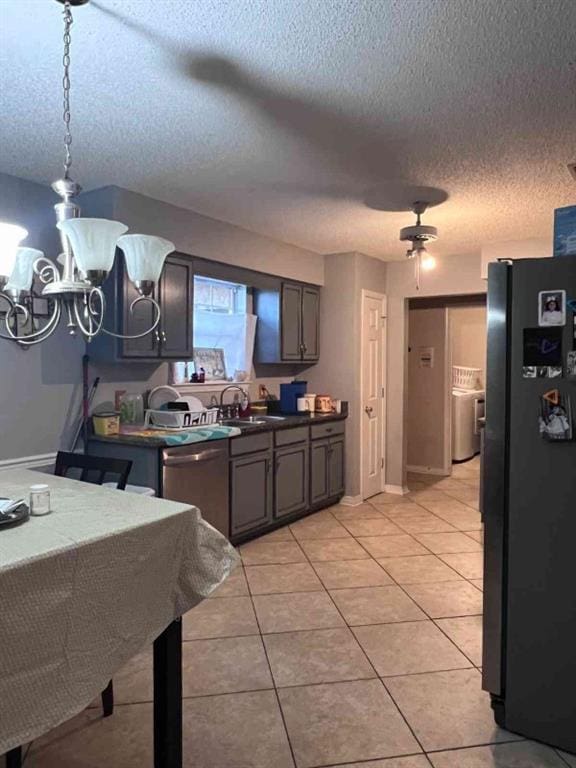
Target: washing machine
{"points": [[468, 407]]}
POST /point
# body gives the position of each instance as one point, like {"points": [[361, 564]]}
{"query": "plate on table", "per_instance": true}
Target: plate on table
{"points": [[18, 515]]}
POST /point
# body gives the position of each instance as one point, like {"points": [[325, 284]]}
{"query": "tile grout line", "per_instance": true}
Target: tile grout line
{"points": [[363, 651], [276, 694]]}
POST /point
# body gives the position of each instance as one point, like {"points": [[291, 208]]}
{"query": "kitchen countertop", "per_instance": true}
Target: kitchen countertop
{"points": [[158, 438]]}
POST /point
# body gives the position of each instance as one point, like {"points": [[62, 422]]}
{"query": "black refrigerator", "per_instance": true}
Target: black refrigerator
{"points": [[529, 499]]}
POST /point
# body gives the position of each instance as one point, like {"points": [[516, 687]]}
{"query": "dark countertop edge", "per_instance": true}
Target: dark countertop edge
{"points": [[290, 421]]}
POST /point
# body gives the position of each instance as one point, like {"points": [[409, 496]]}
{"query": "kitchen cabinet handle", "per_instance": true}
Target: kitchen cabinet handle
{"points": [[157, 337], [368, 409], [164, 339]]}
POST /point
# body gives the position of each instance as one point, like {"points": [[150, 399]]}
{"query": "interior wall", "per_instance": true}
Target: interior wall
{"points": [[427, 385], [457, 275], [468, 336], [40, 386], [217, 240], [338, 371]]}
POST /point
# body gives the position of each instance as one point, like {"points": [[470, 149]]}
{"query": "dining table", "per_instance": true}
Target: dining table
{"points": [[87, 587]]}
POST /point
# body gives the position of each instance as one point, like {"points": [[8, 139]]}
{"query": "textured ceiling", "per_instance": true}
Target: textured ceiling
{"points": [[279, 115]]}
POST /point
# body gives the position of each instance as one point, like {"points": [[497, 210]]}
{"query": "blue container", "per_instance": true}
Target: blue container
{"points": [[289, 394]]}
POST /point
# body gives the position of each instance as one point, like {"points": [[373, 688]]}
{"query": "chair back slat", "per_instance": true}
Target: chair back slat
{"points": [[94, 469]]}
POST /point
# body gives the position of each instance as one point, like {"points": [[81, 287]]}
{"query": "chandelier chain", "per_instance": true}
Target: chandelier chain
{"points": [[68, 21]]}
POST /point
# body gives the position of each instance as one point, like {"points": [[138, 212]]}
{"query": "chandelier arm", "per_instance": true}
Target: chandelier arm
{"points": [[87, 303], [32, 338], [153, 327], [46, 270]]}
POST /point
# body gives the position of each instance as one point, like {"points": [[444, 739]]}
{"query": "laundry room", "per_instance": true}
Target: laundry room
{"points": [[446, 379]]}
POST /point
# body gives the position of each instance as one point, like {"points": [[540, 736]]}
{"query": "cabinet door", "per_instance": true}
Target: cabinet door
{"points": [[291, 322], [137, 322], [310, 323], [319, 483], [291, 480], [250, 492], [176, 297], [336, 467]]}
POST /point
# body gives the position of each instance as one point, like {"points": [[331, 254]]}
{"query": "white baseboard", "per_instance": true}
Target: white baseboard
{"points": [[427, 470], [351, 501], [397, 490], [29, 462]]}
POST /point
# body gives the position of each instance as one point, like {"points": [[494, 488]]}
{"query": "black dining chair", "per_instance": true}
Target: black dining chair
{"points": [[95, 469]]}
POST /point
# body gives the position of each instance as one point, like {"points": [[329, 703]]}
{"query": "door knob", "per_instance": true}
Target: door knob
{"points": [[368, 409]]}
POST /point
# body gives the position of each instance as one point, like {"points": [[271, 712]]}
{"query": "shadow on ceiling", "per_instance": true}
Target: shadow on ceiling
{"points": [[363, 150]]}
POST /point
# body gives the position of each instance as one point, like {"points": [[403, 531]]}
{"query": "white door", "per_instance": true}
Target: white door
{"points": [[372, 392]]}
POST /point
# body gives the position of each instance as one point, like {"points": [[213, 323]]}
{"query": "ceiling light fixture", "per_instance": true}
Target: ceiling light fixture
{"points": [[74, 288], [418, 235]]}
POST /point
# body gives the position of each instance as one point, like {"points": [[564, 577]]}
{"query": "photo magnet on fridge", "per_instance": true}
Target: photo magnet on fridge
{"points": [[555, 421], [529, 372], [552, 308], [542, 347]]}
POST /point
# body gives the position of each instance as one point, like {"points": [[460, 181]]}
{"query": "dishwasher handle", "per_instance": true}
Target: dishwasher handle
{"points": [[191, 458]]}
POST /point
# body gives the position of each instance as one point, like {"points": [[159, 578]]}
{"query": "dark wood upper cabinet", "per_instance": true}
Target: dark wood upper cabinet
{"points": [[288, 329], [310, 323], [172, 339], [291, 322], [176, 300]]}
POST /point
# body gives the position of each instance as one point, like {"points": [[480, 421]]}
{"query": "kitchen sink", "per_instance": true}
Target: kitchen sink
{"points": [[246, 420]]}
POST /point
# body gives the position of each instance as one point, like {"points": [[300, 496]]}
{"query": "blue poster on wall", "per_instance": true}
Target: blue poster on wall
{"points": [[565, 231]]}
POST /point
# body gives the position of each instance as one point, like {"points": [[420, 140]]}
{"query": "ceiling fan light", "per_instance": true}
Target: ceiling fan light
{"points": [[93, 242], [23, 272], [11, 235], [428, 262], [145, 256]]}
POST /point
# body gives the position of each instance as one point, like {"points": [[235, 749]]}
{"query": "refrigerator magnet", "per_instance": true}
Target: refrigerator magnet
{"points": [[552, 308], [571, 364], [529, 372], [555, 420], [542, 347]]}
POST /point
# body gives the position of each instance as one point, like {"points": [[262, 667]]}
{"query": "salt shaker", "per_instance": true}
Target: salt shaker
{"points": [[39, 499]]}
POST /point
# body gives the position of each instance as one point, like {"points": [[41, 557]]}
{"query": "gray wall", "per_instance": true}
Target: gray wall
{"points": [[39, 387], [469, 337], [428, 421], [338, 371]]}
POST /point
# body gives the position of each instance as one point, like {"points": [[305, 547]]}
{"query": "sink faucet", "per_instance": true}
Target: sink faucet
{"points": [[226, 389]]}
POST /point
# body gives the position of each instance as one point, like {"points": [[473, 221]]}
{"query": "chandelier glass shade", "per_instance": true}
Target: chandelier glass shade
{"points": [[72, 285]]}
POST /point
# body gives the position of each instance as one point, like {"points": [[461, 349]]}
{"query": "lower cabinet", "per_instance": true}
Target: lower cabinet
{"points": [[281, 477], [250, 492], [327, 469], [291, 480]]}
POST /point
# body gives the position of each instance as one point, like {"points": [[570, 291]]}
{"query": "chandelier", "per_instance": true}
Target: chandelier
{"points": [[73, 285]]}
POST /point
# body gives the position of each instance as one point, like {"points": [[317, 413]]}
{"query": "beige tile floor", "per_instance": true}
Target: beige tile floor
{"points": [[351, 638]]}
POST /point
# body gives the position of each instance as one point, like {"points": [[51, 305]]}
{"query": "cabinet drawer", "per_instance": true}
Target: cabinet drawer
{"points": [[291, 436], [250, 443], [327, 430]]}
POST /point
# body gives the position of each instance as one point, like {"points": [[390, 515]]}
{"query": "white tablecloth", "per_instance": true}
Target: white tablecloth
{"points": [[85, 588]]}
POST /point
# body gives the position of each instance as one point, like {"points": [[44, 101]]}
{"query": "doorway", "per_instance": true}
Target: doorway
{"points": [[446, 374], [372, 387]]}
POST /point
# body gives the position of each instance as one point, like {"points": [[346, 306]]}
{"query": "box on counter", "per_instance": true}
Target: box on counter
{"points": [[565, 231]]}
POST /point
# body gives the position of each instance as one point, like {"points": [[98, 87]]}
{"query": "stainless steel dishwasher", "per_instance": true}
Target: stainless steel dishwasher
{"points": [[198, 475]]}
